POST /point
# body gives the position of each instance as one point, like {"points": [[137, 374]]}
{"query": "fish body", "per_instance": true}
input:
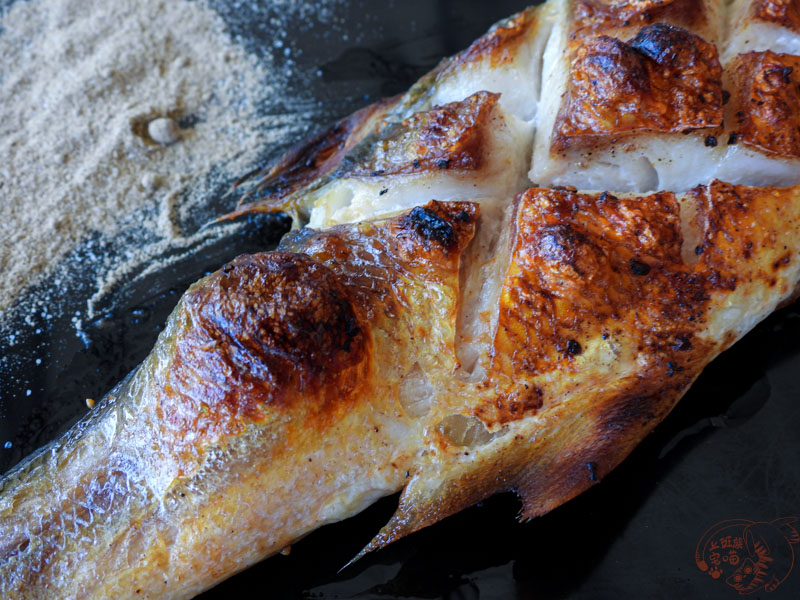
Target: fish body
{"points": [[446, 327]]}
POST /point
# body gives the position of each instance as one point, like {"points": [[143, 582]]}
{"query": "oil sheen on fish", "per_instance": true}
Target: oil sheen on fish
{"points": [[449, 327]]}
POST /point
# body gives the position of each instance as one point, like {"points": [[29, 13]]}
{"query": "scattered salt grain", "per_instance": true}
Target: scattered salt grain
{"points": [[150, 181], [163, 131], [87, 86]]}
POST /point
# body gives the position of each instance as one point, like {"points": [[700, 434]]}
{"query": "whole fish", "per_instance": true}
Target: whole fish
{"points": [[498, 337]]}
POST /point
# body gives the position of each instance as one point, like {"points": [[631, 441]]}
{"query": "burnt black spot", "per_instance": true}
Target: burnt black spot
{"points": [[638, 267], [416, 163], [431, 226], [574, 347], [660, 42], [443, 163], [592, 466], [672, 368], [726, 96], [698, 250], [733, 139], [779, 75], [561, 243], [383, 191], [711, 142], [378, 173], [682, 344], [351, 331], [781, 262]]}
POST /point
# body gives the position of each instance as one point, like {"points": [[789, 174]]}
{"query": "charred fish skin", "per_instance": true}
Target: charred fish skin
{"points": [[612, 123], [335, 178], [277, 377], [605, 320]]}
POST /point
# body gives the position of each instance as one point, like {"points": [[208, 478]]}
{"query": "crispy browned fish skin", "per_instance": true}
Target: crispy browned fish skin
{"points": [[284, 185], [665, 79], [598, 17], [218, 451], [785, 13], [602, 329], [286, 375], [767, 102]]}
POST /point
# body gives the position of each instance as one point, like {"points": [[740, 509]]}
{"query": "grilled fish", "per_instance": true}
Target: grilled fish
{"points": [[503, 336]]}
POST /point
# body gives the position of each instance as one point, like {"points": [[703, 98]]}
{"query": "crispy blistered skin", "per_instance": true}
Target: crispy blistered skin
{"points": [[445, 137], [785, 13], [651, 108], [291, 389], [263, 334], [308, 162], [456, 138], [217, 451], [664, 80], [603, 326], [591, 18], [504, 63], [767, 102], [457, 151]]}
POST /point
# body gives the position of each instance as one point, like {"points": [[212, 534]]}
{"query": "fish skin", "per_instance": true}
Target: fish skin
{"points": [[345, 150], [663, 328], [636, 101], [188, 472]]}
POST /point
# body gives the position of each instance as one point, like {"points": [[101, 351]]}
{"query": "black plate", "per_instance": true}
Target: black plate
{"points": [[729, 451]]}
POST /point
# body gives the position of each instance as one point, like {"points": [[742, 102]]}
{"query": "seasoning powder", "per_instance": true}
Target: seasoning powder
{"points": [[113, 109]]}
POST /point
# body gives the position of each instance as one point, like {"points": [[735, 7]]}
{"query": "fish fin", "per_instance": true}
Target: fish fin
{"points": [[281, 186], [424, 503]]}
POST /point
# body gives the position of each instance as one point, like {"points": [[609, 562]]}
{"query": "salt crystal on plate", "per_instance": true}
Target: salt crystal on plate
{"points": [[163, 131]]}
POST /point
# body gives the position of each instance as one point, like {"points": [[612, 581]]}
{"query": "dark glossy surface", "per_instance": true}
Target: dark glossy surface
{"points": [[730, 450]]}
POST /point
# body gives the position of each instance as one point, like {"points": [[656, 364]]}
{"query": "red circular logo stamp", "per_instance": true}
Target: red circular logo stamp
{"points": [[749, 556]]}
